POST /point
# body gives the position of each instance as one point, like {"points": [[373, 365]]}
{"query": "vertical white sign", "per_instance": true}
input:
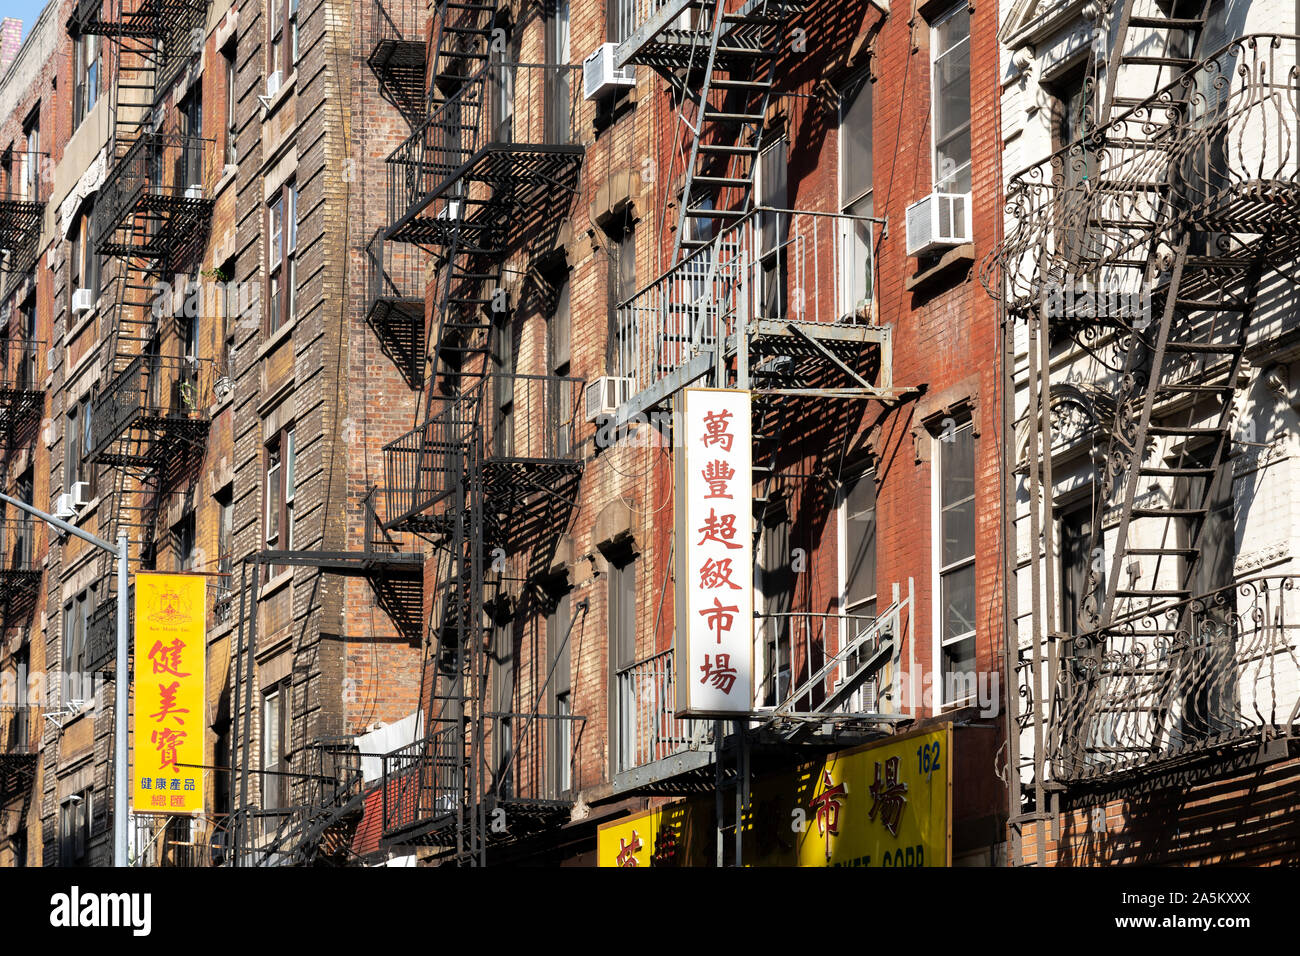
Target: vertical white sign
{"points": [[715, 535]]}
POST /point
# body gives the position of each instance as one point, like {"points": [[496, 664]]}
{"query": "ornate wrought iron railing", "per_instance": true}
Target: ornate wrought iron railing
{"points": [[1218, 147], [424, 782], [1217, 671]]}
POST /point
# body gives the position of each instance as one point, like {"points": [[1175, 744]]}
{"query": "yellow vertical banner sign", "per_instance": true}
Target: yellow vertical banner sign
{"points": [[168, 714]]}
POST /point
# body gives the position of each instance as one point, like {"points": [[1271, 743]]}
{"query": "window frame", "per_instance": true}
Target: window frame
{"points": [[282, 40], [863, 473], [620, 598], [941, 570], [88, 77], [850, 204], [282, 258], [936, 55], [231, 67], [280, 456], [281, 693]]}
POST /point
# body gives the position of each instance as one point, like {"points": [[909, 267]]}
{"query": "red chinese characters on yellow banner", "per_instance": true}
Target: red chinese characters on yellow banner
{"points": [[169, 698]]}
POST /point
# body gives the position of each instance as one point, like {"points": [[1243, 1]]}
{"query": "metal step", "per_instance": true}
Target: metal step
{"points": [[1166, 23], [1161, 552], [1154, 593], [1179, 431], [1168, 513]]}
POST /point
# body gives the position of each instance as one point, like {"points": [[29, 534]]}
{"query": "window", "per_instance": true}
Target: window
{"points": [[76, 619], [225, 529], [78, 443], [283, 232], [275, 746], [503, 700], [284, 36], [189, 162], [232, 124], [856, 198], [773, 228], [954, 559], [501, 86], [559, 116], [74, 828], [83, 262], [622, 655], [1075, 531], [558, 625], [950, 100], [776, 587], [88, 79], [23, 332], [183, 542], [281, 465], [623, 285], [620, 20], [858, 578], [21, 729], [560, 399], [503, 386], [32, 158]]}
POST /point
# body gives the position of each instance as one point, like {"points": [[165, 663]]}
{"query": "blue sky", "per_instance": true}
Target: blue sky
{"points": [[25, 10]]}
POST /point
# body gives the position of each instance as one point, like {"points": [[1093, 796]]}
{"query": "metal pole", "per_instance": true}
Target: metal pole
{"points": [[122, 681]]}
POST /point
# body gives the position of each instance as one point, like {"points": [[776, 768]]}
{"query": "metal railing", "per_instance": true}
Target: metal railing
{"points": [[532, 756], [21, 365], [503, 104], [157, 388], [773, 264], [648, 728], [424, 466], [24, 188], [1217, 146], [532, 417], [400, 21], [395, 277], [424, 781], [168, 172], [1209, 672], [17, 545]]}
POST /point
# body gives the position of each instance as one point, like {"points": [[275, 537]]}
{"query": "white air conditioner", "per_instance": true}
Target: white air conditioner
{"points": [[80, 494], [599, 76], [937, 221], [273, 84], [606, 394], [450, 211], [49, 360], [64, 507], [83, 301], [194, 191]]}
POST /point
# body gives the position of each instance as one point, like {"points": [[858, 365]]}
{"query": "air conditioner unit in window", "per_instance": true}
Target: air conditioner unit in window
{"points": [[599, 76], [450, 211], [606, 394], [83, 301], [80, 494], [194, 191], [64, 507], [938, 221], [273, 84]]}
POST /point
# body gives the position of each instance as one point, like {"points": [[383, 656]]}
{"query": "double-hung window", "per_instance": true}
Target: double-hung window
{"points": [[283, 243], [74, 828], [857, 522], [856, 198], [281, 465], [87, 77], [954, 562], [275, 745], [950, 100], [284, 36]]}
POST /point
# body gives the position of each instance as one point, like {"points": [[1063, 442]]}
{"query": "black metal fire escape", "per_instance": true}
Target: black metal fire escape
{"points": [[1179, 206], [152, 214], [492, 165]]}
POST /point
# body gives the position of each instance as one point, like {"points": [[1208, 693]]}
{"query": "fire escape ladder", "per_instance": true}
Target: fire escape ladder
{"points": [[1156, 42], [727, 122]]}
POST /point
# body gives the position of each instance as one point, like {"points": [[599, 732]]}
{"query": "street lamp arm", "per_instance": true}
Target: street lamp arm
{"points": [[60, 524]]}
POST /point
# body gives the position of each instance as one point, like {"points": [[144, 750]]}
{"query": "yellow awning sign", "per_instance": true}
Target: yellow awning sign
{"points": [[664, 836], [169, 699]]}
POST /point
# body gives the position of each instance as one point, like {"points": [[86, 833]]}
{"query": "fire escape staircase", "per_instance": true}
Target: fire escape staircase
{"points": [[1193, 202]]}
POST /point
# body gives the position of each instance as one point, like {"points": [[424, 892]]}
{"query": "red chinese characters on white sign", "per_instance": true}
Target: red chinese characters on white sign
{"points": [[715, 491]]}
